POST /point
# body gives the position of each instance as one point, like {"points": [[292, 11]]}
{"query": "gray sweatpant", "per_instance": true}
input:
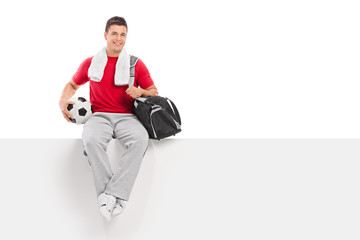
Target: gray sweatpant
{"points": [[97, 133]]}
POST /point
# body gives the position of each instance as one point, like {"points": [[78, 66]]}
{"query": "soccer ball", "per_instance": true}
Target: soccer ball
{"points": [[81, 110]]}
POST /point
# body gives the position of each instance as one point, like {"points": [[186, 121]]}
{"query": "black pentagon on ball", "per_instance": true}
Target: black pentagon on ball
{"points": [[72, 120], [69, 107], [81, 99], [82, 111]]}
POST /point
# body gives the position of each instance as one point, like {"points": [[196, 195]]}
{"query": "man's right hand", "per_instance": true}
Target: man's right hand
{"points": [[63, 103], [69, 91]]}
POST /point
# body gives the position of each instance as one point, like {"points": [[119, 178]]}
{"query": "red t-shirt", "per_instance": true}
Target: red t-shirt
{"points": [[105, 96]]}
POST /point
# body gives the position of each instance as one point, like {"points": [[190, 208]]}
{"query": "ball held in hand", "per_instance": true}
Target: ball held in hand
{"points": [[81, 110]]}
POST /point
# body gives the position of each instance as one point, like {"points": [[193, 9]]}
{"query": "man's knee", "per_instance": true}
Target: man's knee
{"points": [[140, 138], [144, 136], [92, 139]]}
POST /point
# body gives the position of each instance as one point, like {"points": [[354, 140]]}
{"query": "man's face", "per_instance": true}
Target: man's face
{"points": [[116, 38]]}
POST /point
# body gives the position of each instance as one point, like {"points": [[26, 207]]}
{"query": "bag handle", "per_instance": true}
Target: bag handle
{"points": [[144, 100]]}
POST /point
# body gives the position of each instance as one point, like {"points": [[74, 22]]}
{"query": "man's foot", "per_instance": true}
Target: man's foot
{"points": [[107, 204], [119, 207]]}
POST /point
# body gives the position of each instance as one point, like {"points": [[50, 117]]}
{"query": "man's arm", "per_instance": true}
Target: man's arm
{"points": [[150, 91], [139, 92], [69, 91]]}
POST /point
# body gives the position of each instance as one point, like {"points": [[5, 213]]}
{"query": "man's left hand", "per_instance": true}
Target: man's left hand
{"points": [[134, 92]]}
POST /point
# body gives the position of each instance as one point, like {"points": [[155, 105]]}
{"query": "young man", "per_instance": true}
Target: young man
{"points": [[112, 102]]}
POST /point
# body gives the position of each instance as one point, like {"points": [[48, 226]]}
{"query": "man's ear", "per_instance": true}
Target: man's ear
{"points": [[105, 35]]}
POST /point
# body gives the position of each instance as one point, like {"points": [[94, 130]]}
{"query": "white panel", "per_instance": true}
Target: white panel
{"points": [[186, 189]]}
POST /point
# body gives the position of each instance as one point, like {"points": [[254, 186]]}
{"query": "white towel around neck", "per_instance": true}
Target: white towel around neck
{"points": [[122, 68]]}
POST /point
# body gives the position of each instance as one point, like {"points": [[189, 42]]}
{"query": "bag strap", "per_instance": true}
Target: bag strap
{"points": [[133, 61]]}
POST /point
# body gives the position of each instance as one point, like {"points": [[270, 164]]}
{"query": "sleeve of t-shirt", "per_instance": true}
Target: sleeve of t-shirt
{"points": [[81, 75], [142, 75]]}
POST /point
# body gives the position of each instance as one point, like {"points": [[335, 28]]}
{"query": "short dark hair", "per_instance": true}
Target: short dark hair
{"points": [[116, 21]]}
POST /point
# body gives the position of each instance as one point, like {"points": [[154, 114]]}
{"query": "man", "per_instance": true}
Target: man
{"points": [[112, 104]]}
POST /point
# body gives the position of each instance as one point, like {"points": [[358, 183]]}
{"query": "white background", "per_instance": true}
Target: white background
{"points": [[244, 69]]}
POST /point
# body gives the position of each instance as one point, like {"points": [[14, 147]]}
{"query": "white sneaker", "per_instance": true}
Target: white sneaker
{"points": [[119, 207], [107, 204]]}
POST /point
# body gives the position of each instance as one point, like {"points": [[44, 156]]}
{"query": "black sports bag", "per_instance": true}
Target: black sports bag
{"points": [[159, 116]]}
